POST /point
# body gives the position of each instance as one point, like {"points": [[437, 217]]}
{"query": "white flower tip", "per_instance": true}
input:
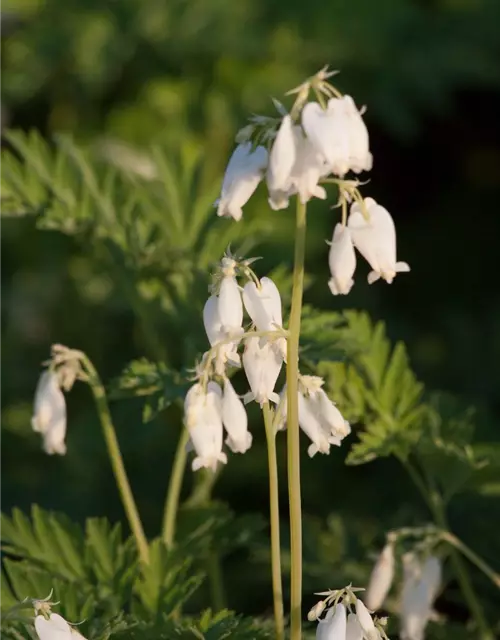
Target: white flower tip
{"points": [[402, 267], [209, 462], [340, 288], [240, 446], [373, 276]]}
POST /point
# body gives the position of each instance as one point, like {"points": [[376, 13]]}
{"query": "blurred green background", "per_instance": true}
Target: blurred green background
{"points": [[177, 72]]}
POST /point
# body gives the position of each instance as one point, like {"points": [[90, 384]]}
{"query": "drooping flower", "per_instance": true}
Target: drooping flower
{"points": [[327, 129], [381, 578], [243, 174], [342, 260], [235, 420], [55, 627], [334, 624], [262, 364], [375, 239], [339, 134], [203, 419], [263, 305], [230, 305], [281, 161], [319, 418], [420, 586], [49, 415], [227, 353], [370, 632]]}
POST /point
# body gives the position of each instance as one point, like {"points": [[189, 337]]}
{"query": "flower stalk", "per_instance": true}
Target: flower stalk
{"points": [[174, 490], [116, 459], [275, 522], [293, 444]]}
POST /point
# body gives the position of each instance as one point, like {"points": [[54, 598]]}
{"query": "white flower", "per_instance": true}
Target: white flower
{"points": [[263, 305], [339, 134], [342, 259], [370, 632], [203, 418], [227, 353], [303, 176], [262, 364], [309, 167], [381, 578], [55, 628], [243, 174], [420, 587], [334, 624], [375, 239], [327, 131], [49, 416], [319, 418], [354, 630], [360, 158], [230, 305], [235, 420], [281, 160]]}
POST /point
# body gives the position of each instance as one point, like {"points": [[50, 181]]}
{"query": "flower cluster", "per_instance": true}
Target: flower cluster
{"points": [[421, 582], [212, 404], [346, 617], [318, 141], [49, 413]]}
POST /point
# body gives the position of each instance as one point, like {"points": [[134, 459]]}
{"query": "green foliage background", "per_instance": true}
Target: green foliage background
{"points": [[122, 267]]}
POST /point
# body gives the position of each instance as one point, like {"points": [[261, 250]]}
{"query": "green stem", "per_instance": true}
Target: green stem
{"points": [[216, 581], [116, 459], [472, 556], [275, 523], [174, 490], [293, 444]]}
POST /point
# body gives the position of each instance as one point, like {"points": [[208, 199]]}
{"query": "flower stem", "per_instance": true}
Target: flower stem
{"points": [[472, 556], [174, 490], [116, 459], [275, 523], [438, 510], [292, 374]]}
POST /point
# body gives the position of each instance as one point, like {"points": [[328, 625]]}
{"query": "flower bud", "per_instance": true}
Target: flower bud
{"points": [[380, 579]]}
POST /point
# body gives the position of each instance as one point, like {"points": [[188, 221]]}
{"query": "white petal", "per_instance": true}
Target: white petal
{"points": [[49, 404], [203, 418], [354, 630], [431, 577], [365, 620], [235, 420], [55, 628], [263, 304], [342, 260], [330, 417], [375, 239], [328, 132], [360, 158], [311, 426], [243, 174], [333, 626], [380, 579], [211, 320], [282, 157], [230, 305], [262, 364]]}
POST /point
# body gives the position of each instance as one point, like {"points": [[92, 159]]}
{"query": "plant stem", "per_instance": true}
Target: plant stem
{"points": [[116, 459], [275, 523], [174, 490], [472, 556], [293, 444], [460, 571], [215, 581]]}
